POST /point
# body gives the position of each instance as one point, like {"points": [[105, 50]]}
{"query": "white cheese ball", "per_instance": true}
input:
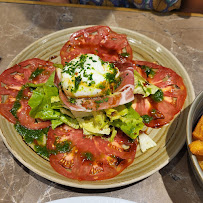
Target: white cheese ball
{"points": [[87, 76]]}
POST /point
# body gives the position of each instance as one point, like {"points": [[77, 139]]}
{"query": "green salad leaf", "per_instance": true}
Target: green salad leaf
{"points": [[96, 125], [56, 123], [142, 86], [45, 104], [72, 122], [127, 119]]}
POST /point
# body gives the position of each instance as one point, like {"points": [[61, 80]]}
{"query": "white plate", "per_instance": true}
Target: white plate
{"points": [[91, 199]]}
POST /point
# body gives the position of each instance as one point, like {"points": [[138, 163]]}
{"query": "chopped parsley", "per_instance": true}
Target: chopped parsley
{"points": [[91, 83], [30, 135], [35, 73], [146, 118], [158, 96], [125, 54], [72, 100], [108, 92], [149, 71], [77, 82], [17, 104], [102, 100], [101, 86], [88, 156], [90, 77], [110, 77], [102, 62], [63, 147]]}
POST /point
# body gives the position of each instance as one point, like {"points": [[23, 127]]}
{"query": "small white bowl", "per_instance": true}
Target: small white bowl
{"points": [[195, 112]]}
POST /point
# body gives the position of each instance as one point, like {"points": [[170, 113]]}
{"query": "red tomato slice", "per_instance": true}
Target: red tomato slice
{"points": [[99, 40], [174, 94], [89, 158], [27, 121], [12, 81], [33, 64], [5, 112]]}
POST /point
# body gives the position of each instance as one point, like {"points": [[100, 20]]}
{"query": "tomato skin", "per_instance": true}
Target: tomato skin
{"points": [[99, 40], [105, 161], [27, 121], [5, 112], [12, 80], [174, 94]]}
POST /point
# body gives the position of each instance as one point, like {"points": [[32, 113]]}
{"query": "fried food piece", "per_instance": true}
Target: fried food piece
{"points": [[200, 161], [198, 131], [196, 147]]}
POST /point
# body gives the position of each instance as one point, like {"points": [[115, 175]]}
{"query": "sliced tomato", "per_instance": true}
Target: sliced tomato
{"points": [[99, 40], [26, 120], [32, 64], [5, 112], [174, 94], [12, 81], [89, 158]]}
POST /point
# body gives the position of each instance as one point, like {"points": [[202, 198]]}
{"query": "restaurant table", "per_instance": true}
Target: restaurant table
{"points": [[23, 23]]}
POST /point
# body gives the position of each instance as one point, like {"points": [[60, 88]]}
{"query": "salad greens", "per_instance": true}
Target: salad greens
{"points": [[96, 125], [142, 86], [127, 119], [46, 105]]}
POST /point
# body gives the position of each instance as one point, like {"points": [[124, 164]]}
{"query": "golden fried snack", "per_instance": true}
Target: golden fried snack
{"points": [[200, 161], [198, 132], [196, 147]]}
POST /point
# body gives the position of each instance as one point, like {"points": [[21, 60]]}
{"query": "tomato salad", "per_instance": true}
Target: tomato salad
{"points": [[87, 114]]}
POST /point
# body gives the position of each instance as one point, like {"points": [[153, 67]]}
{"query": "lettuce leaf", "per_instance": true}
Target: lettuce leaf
{"points": [[56, 123], [117, 112], [113, 134], [72, 122], [127, 119], [35, 100], [97, 125], [146, 142], [142, 86], [45, 104], [48, 114]]}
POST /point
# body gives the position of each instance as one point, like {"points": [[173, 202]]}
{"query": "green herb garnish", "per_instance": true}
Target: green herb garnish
{"points": [[158, 96], [37, 72], [77, 82], [17, 104], [146, 118], [125, 54], [149, 71]]}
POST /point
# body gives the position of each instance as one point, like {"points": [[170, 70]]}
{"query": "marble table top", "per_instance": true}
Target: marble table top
{"points": [[22, 24]]}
